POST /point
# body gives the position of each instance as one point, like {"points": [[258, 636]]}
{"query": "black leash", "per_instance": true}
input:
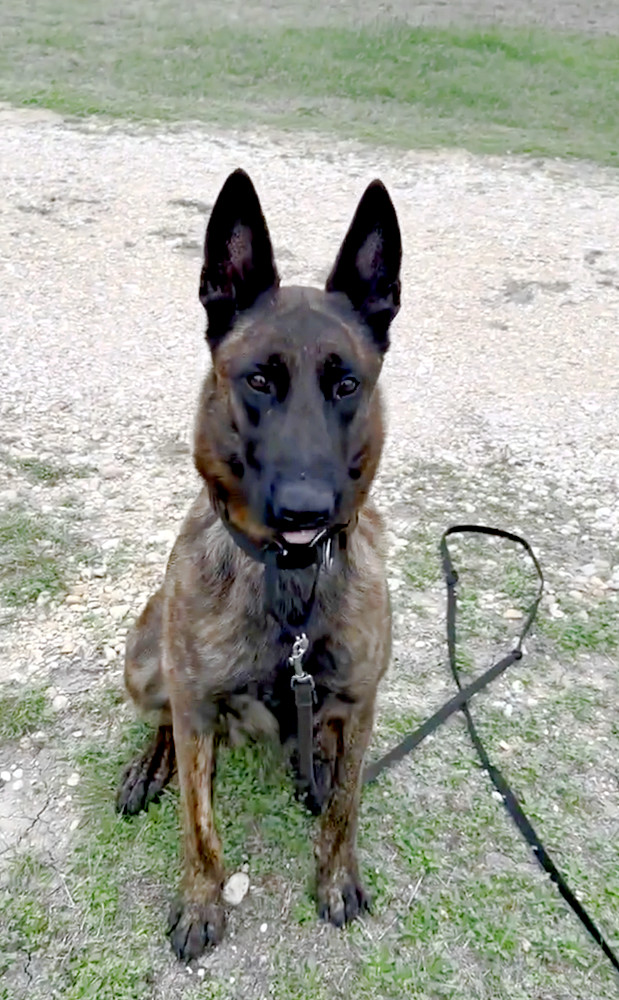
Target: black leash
{"points": [[460, 701]]}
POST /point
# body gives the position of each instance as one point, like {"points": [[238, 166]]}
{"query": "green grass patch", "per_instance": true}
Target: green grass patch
{"points": [[22, 712], [32, 555], [593, 627], [526, 91], [45, 472], [460, 910], [38, 552]]}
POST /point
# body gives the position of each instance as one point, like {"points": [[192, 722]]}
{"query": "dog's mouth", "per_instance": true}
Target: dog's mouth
{"points": [[306, 537]]}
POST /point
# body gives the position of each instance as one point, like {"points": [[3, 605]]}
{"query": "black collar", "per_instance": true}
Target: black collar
{"points": [[279, 555]]}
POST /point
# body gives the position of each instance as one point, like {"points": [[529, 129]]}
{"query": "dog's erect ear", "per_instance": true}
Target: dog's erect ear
{"points": [[238, 256], [367, 268]]}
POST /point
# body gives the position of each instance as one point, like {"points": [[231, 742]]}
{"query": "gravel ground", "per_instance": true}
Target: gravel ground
{"points": [[505, 351], [506, 344], [597, 17]]}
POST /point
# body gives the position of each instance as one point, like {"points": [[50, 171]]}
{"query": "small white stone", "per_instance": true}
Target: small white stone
{"points": [[497, 795], [5, 775], [74, 825], [73, 779], [508, 711], [263, 928], [67, 647], [111, 471], [17, 785], [18, 772], [513, 614], [118, 611], [201, 973], [108, 544], [236, 888], [59, 702], [77, 733]]}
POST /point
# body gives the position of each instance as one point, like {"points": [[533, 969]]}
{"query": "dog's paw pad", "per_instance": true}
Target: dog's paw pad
{"points": [[341, 903], [192, 927]]}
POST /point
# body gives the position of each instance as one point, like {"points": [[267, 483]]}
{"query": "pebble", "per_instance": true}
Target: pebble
{"points": [[59, 702], [5, 775], [118, 611], [73, 779], [109, 543], [263, 928], [111, 471], [67, 647], [236, 888], [18, 772], [513, 614]]}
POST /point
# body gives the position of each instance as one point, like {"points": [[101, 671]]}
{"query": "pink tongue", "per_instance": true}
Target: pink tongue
{"points": [[299, 537]]}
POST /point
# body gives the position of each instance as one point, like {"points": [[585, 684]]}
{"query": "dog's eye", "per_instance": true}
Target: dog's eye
{"points": [[346, 387], [259, 382]]}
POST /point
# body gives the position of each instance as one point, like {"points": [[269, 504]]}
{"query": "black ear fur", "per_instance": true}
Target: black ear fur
{"points": [[238, 256], [367, 268]]}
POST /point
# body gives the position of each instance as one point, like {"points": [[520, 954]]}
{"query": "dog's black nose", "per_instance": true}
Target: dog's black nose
{"points": [[302, 504]]}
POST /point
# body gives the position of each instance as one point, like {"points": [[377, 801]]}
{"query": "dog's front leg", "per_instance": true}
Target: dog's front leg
{"points": [[341, 897], [197, 919]]}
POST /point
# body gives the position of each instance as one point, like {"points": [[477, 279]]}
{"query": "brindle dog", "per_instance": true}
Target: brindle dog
{"points": [[288, 437]]}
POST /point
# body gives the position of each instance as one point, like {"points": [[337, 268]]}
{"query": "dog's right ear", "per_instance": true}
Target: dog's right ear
{"points": [[238, 256]]}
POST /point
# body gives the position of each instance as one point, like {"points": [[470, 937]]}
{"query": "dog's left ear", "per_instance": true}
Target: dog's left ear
{"points": [[238, 256], [367, 268]]}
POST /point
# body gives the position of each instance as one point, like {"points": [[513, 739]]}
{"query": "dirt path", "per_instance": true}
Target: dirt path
{"points": [[505, 356], [597, 17]]}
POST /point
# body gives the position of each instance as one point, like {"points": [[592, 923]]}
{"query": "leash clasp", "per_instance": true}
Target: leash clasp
{"points": [[295, 660]]}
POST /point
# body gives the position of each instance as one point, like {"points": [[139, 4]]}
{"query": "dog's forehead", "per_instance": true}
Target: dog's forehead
{"points": [[297, 321]]}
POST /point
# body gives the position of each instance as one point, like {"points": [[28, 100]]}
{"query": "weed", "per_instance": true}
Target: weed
{"points": [[22, 712]]}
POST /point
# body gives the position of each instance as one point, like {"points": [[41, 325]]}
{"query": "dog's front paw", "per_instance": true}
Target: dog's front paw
{"points": [[192, 927], [342, 899]]}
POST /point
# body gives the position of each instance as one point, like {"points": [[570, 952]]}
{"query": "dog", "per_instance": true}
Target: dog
{"points": [[281, 543]]}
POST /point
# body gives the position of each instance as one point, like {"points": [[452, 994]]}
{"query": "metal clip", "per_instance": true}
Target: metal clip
{"points": [[327, 553], [299, 649]]}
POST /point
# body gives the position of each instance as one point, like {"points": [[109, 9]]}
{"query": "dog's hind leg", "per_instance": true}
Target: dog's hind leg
{"points": [[145, 777]]}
